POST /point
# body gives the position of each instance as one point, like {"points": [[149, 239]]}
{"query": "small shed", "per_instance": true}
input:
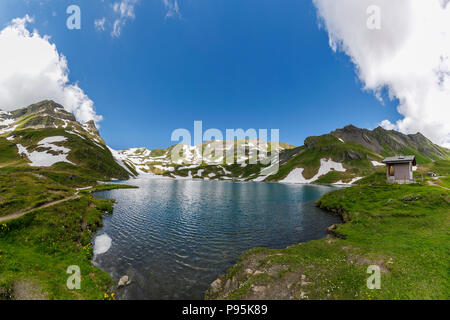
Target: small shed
{"points": [[399, 169]]}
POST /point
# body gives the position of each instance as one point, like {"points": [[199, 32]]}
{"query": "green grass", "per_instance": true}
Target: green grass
{"points": [[105, 187], [441, 167], [378, 177], [8, 153], [401, 228], [41, 245], [445, 182], [27, 190]]}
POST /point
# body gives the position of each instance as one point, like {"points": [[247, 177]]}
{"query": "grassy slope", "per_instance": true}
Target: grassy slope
{"points": [[41, 245], [404, 229], [37, 248], [23, 187], [88, 156], [328, 146]]}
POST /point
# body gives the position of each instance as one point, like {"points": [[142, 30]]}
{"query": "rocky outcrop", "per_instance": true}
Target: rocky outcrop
{"points": [[393, 142]]}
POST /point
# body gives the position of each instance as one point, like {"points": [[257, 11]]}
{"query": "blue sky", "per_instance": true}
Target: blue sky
{"points": [[230, 63]]}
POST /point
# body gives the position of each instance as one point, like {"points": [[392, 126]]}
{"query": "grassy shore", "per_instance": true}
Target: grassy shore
{"points": [[401, 228], [37, 249]]}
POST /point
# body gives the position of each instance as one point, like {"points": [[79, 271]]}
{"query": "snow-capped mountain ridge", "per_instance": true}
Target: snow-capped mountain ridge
{"points": [[44, 134]]}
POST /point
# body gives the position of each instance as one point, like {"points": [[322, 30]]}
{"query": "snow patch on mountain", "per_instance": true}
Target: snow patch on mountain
{"points": [[347, 183], [75, 133], [45, 158], [326, 165], [120, 158], [377, 164]]}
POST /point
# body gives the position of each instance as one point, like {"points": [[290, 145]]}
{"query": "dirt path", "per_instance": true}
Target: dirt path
{"points": [[22, 213], [432, 183]]}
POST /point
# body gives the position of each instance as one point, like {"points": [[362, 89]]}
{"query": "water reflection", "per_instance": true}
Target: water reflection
{"points": [[173, 238]]}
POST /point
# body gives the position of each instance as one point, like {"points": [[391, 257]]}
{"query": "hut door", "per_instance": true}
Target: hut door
{"points": [[391, 170]]}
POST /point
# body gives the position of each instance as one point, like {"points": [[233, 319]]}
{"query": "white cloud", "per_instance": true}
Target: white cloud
{"points": [[100, 24], [409, 55], [125, 11], [32, 70], [386, 124], [173, 9]]}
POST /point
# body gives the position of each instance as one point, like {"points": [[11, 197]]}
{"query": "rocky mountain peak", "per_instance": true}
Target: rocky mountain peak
{"points": [[90, 125], [46, 108]]}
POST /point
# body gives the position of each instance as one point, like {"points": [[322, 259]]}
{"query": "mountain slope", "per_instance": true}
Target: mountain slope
{"points": [[46, 135], [390, 142], [346, 155], [358, 151]]}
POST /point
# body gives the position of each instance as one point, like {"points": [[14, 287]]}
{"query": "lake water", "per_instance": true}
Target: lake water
{"points": [[174, 237]]}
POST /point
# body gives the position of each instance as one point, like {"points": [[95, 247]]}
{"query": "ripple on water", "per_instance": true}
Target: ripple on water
{"points": [[176, 237]]}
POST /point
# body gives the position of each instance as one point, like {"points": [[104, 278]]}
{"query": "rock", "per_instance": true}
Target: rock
{"points": [[351, 155], [227, 285], [258, 289], [411, 197], [234, 283], [216, 285], [257, 272], [331, 228], [248, 271], [124, 281]]}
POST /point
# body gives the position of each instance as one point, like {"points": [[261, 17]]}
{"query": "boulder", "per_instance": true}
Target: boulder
{"points": [[124, 281], [216, 285]]}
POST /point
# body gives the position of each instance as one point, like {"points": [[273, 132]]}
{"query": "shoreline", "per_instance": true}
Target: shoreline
{"points": [[335, 267]]}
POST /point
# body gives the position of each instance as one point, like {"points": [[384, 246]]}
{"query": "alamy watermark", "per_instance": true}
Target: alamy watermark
{"points": [[239, 146], [374, 19], [374, 281], [74, 19], [74, 281]]}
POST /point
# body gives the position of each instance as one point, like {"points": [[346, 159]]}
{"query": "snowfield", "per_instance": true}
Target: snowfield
{"points": [[170, 169], [377, 164], [120, 159], [44, 158], [351, 182], [296, 175]]}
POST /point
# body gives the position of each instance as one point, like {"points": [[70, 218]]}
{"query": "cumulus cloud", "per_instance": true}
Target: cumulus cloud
{"points": [[125, 11], [32, 69], [173, 9], [409, 56]]}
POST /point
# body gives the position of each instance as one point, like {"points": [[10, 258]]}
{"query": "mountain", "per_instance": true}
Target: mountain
{"points": [[206, 161], [46, 136], [343, 156], [349, 154], [389, 142]]}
